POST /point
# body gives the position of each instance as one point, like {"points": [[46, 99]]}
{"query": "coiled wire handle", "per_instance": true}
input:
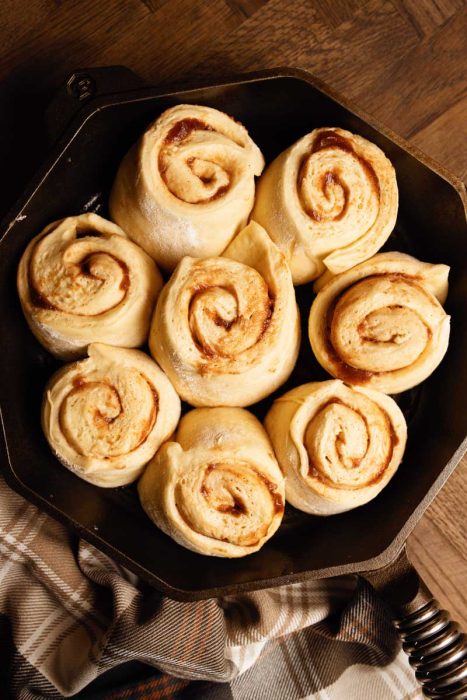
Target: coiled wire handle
{"points": [[436, 647], [437, 650]]}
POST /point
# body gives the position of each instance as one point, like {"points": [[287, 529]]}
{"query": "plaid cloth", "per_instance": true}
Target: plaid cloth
{"points": [[68, 613]]}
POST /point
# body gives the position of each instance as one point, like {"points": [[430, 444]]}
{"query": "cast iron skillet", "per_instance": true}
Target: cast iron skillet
{"points": [[100, 113]]}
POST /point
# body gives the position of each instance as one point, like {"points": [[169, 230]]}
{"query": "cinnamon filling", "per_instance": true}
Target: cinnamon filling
{"points": [[330, 139], [207, 351], [352, 375], [103, 422], [348, 373], [176, 135], [238, 507], [87, 233], [39, 300], [314, 469], [183, 128]]}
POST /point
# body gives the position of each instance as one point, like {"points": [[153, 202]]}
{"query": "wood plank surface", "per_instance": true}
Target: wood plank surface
{"points": [[404, 61]]}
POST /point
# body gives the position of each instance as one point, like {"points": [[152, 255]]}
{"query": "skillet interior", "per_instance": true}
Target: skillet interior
{"points": [[431, 225]]}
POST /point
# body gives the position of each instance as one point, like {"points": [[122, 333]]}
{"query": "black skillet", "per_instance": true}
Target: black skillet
{"points": [[99, 113]]}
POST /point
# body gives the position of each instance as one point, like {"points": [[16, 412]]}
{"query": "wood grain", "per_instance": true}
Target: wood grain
{"points": [[335, 12], [441, 80], [438, 546], [445, 145], [426, 17], [402, 60], [307, 41], [245, 8]]}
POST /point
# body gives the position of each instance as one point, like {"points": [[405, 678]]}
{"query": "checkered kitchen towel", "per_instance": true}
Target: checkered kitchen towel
{"points": [[68, 613]]}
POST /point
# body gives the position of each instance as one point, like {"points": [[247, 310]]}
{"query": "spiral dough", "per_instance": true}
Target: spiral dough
{"points": [[329, 202], [381, 324], [217, 489], [104, 417], [226, 330], [81, 280], [337, 445], [188, 186]]}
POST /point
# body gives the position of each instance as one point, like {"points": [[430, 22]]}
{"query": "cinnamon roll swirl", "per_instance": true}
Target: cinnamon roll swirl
{"points": [[104, 417], [329, 202], [81, 280], [381, 324], [188, 186], [226, 330], [337, 445], [217, 489]]}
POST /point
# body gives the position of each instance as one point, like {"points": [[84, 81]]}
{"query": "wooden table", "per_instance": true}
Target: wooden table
{"points": [[404, 61]]}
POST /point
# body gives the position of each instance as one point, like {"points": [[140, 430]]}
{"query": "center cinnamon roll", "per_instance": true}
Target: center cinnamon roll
{"points": [[226, 330], [227, 319]]}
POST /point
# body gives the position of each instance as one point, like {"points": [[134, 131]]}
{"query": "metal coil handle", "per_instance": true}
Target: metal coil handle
{"points": [[437, 651], [435, 645]]}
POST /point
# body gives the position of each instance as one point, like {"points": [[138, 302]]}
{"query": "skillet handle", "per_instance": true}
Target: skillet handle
{"points": [[83, 86], [435, 645]]}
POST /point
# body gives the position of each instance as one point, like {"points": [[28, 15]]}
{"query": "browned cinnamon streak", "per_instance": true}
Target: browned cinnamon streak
{"points": [[395, 276], [277, 499], [221, 322], [125, 281], [183, 128], [39, 300], [176, 135], [353, 375], [152, 418], [317, 474], [88, 233], [330, 139], [101, 421], [238, 507]]}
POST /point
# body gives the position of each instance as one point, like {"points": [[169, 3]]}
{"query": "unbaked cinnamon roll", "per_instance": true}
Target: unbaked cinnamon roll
{"points": [[104, 417], [226, 330], [381, 324], [329, 202], [217, 489], [81, 280], [188, 186], [337, 445]]}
